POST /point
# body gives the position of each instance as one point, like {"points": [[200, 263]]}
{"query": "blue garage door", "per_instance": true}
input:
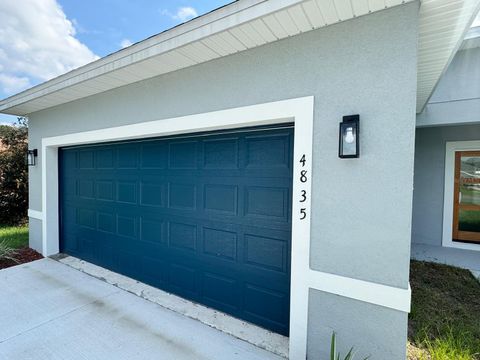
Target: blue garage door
{"points": [[206, 216]]}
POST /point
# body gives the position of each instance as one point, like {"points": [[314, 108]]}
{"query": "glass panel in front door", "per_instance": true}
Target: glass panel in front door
{"points": [[466, 212]]}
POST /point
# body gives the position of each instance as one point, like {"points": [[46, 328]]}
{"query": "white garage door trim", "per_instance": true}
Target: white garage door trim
{"points": [[300, 112]]}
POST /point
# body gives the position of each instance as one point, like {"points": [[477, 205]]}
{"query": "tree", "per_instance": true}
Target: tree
{"points": [[13, 172]]}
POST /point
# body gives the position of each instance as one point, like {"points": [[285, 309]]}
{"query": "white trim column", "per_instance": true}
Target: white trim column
{"points": [[300, 112]]}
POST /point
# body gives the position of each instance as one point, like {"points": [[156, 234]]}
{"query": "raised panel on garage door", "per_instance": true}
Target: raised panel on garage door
{"points": [[207, 216]]}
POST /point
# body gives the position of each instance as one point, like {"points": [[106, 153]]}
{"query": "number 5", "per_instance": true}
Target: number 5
{"points": [[303, 213]]}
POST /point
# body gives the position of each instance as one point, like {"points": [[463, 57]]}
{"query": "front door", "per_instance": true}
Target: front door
{"points": [[466, 212]]}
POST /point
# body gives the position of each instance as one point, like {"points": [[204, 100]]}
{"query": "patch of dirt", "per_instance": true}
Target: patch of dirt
{"points": [[416, 353], [445, 308], [22, 256]]}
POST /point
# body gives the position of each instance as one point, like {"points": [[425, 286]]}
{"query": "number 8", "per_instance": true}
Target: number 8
{"points": [[303, 176]]}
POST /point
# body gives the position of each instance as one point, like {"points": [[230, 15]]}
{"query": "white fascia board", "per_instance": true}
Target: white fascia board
{"points": [[214, 22], [473, 33], [433, 16]]}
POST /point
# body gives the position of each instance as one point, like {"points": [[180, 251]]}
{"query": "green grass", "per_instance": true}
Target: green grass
{"points": [[469, 220], [445, 316], [14, 236]]}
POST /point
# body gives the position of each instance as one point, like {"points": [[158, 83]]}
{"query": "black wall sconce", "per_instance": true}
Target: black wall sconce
{"points": [[349, 141], [32, 157]]}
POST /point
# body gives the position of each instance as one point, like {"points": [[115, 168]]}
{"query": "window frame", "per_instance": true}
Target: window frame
{"points": [[449, 186]]}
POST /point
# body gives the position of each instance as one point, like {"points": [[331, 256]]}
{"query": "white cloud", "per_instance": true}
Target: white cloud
{"points": [[37, 43], [125, 43], [183, 14], [12, 84]]}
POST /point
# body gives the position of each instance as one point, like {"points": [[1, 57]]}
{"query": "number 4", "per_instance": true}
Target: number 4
{"points": [[302, 160]]}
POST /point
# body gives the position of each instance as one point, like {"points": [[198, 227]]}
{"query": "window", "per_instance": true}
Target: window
{"points": [[466, 202], [461, 210]]}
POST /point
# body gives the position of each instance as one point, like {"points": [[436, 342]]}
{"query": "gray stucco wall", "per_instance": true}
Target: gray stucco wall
{"points": [[35, 234], [429, 180], [456, 99], [361, 209], [386, 329], [428, 196]]}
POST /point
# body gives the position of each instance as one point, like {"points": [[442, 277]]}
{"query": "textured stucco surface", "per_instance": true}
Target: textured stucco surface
{"points": [[35, 234], [429, 179], [456, 99], [372, 330], [428, 196], [361, 209]]}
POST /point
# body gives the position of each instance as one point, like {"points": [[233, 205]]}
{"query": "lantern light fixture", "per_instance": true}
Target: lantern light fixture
{"points": [[349, 141], [32, 157]]}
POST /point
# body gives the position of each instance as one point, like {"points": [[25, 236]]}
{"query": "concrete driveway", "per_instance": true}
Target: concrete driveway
{"points": [[51, 311]]}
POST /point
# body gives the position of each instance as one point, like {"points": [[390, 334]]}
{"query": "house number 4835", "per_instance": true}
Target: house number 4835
{"points": [[303, 192]]}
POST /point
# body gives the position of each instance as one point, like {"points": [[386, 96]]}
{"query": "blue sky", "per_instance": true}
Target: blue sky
{"points": [[113, 21], [41, 39]]}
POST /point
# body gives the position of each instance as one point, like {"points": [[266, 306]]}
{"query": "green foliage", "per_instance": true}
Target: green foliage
{"points": [[452, 345], [15, 236], [445, 316], [13, 172], [334, 355], [6, 252]]}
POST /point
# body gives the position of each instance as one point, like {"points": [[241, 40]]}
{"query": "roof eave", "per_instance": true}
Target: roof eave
{"points": [[207, 37]]}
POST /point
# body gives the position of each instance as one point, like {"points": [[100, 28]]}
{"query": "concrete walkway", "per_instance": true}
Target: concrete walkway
{"points": [[51, 311]]}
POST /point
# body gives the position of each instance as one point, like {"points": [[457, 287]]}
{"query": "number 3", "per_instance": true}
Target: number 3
{"points": [[304, 196]]}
